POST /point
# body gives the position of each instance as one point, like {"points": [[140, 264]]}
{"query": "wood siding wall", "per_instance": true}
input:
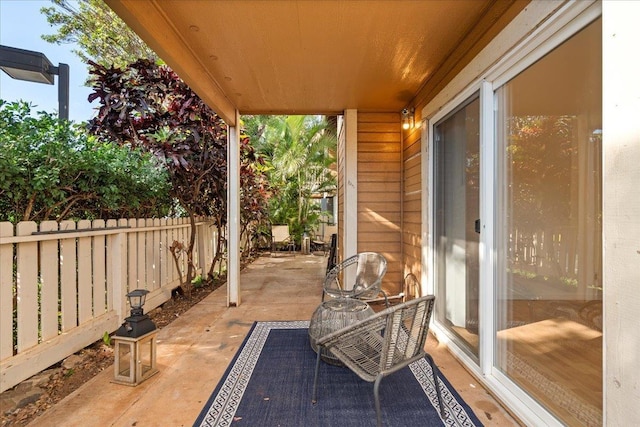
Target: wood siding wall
{"points": [[379, 192], [411, 201]]}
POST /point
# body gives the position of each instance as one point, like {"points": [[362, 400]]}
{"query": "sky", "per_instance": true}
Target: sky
{"points": [[21, 25]]}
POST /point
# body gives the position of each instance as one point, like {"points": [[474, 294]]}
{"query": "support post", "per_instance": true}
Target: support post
{"points": [[63, 91], [233, 213]]}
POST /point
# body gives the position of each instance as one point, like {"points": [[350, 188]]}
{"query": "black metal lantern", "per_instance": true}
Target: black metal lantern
{"points": [[138, 323], [136, 301], [135, 344]]}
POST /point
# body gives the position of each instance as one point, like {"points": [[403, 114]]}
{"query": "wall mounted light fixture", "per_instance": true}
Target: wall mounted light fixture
{"points": [[407, 118]]}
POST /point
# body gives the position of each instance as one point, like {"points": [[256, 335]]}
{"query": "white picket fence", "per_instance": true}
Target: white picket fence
{"points": [[62, 286]]}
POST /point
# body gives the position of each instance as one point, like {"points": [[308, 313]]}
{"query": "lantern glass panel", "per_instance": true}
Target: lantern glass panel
{"points": [[124, 359], [135, 301], [146, 357], [137, 298]]}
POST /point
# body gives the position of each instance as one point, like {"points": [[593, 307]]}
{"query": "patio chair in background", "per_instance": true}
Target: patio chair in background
{"points": [[319, 244], [280, 237], [332, 259], [359, 276], [322, 238], [382, 344]]}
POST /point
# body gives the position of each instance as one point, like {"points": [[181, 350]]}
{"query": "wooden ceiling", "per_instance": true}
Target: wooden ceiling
{"points": [[315, 57]]}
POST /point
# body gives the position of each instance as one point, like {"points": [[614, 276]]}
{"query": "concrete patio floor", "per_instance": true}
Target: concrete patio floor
{"points": [[195, 349]]}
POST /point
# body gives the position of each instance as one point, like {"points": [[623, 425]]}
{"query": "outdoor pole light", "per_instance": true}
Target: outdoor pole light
{"points": [[30, 66], [135, 344]]}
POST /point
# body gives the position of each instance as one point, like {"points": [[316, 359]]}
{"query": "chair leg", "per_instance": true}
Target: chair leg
{"points": [[376, 397], [434, 370], [314, 396]]}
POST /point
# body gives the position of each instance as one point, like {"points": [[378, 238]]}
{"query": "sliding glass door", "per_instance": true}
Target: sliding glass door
{"points": [[549, 290], [523, 305], [457, 185]]}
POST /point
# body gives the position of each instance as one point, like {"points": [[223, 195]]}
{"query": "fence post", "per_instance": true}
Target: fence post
{"points": [[201, 245], [27, 287], [118, 265], [6, 292]]}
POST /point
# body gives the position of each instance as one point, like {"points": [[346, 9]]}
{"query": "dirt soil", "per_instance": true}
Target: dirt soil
{"points": [[65, 379]]}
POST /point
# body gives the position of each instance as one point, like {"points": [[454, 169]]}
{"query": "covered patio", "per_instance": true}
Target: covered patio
{"points": [[398, 75], [195, 350]]}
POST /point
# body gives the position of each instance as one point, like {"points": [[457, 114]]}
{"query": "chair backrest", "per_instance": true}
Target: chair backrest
{"points": [[280, 233], [386, 341], [358, 276], [406, 332]]}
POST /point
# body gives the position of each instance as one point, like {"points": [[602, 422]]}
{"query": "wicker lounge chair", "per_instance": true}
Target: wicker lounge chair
{"points": [[382, 344], [359, 276]]}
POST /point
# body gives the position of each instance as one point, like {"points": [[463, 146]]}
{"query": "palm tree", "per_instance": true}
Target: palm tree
{"points": [[299, 153]]}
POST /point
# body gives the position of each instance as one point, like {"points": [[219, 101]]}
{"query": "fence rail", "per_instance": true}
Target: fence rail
{"points": [[63, 285]]}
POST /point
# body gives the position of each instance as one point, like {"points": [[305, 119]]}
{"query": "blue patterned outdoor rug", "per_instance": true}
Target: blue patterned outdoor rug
{"points": [[270, 380]]}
